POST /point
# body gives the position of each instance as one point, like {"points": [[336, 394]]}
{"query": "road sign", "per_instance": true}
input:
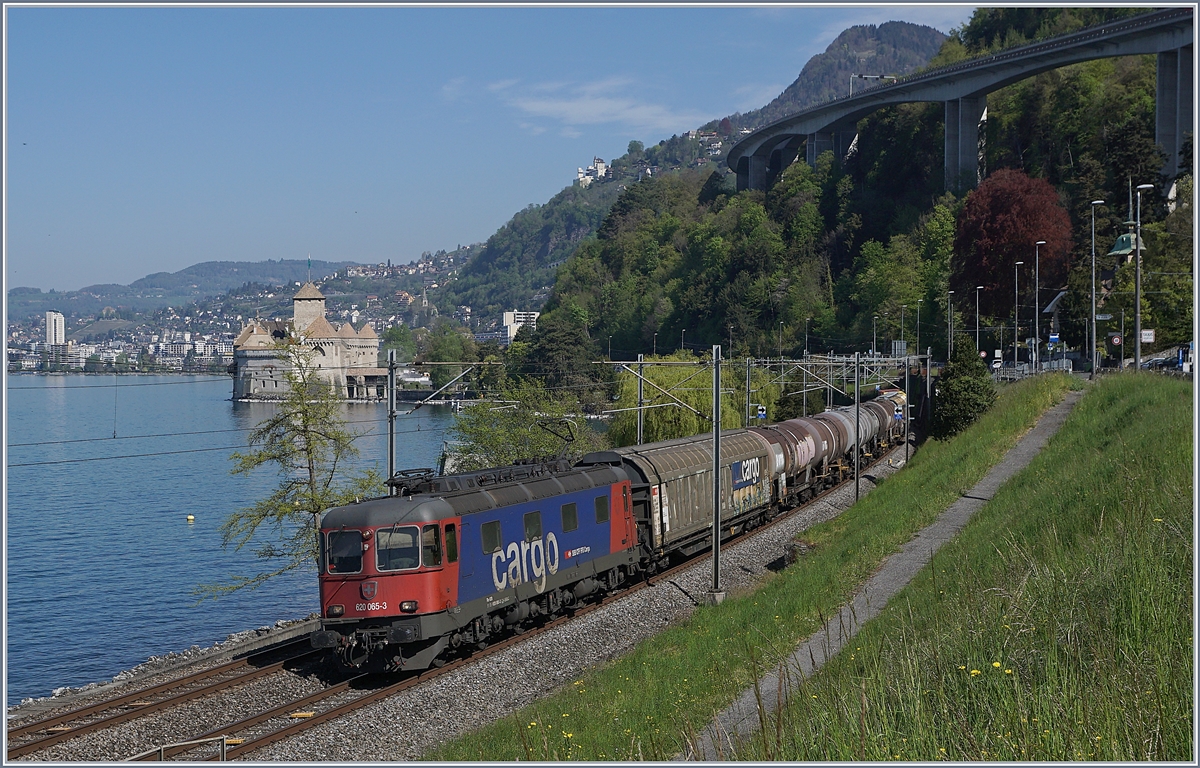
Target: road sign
{"points": [[1147, 335], [983, 353], [998, 355], [1054, 338], [1115, 339], [1104, 317], [762, 411]]}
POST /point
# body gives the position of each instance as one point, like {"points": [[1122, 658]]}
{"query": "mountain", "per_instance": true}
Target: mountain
{"points": [[209, 278], [518, 263], [893, 48]]}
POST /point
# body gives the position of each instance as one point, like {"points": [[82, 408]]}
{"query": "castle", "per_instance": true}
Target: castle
{"points": [[347, 359]]}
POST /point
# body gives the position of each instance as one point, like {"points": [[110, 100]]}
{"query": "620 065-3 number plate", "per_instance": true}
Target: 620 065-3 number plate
{"points": [[381, 606]]}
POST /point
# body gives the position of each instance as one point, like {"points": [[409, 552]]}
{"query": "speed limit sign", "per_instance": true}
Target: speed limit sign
{"points": [[1115, 339]]}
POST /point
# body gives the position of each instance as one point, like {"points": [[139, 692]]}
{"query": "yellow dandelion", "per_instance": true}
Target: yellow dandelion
{"points": [[962, 666], [565, 714], [1008, 672], [1158, 519], [975, 672], [996, 664]]}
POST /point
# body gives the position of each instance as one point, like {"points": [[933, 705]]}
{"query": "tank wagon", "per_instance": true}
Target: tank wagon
{"points": [[451, 563]]}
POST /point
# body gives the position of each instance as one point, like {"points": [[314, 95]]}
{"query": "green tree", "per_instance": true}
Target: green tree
{"points": [[307, 441], [963, 391], [399, 338], [495, 434]]}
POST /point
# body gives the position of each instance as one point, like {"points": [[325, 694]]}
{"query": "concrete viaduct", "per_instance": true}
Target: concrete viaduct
{"points": [[963, 88]]}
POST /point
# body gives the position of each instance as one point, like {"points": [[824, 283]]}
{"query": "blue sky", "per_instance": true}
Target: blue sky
{"points": [[141, 140]]}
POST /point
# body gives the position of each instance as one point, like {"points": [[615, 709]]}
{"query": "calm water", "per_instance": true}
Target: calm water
{"points": [[100, 562]]}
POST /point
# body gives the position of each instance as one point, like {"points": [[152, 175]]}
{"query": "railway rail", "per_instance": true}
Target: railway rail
{"points": [[335, 701], [26, 738]]}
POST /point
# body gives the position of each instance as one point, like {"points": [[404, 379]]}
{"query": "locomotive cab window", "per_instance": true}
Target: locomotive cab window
{"points": [[570, 517], [602, 509], [490, 532], [396, 548], [451, 544], [533, 526], [431, 545], [345, 552]]}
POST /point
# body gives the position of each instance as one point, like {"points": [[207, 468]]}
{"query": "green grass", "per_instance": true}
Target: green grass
{"points": [[1058, 626], [646, 705]]}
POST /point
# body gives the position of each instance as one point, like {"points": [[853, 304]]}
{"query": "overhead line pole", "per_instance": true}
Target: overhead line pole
{"points": [[715, 596]]}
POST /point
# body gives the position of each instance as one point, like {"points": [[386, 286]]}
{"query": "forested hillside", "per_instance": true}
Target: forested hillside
{"points": [[857, 243], [514, 269]]}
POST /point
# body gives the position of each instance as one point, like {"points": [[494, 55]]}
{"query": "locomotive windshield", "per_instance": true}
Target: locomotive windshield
{"points": [[397, 548], [345, 552]]}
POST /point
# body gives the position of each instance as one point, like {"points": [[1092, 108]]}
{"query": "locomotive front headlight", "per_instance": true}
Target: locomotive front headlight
{"points": [[335, 611], [408, 606]]}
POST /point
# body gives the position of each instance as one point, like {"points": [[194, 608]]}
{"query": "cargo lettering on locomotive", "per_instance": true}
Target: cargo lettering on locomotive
{"points": [[538, 557]]}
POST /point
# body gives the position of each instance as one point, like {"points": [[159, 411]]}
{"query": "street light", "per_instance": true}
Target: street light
{"points": [[873, 319], [681, 333], [902, 308], [806, 335], [1016, 314], [949, 326], [1137, 286], [654, 349], [1037, 306], [610, 347], [977, 288], [1093, 355]]}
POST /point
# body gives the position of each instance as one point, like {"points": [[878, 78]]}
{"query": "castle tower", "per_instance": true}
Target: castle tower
{"points": [[307, 305]]}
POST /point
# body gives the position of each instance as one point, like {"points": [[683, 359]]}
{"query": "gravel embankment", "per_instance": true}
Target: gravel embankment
{"points": [[409, 724]]}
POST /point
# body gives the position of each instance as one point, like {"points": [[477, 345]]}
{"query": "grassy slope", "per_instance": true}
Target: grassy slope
{"points": [[644, 705], [1057, 627]]}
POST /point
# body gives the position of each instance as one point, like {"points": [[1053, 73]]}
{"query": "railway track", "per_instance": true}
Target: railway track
{"points": [[245, 736], [262, 729], [26, 738]]}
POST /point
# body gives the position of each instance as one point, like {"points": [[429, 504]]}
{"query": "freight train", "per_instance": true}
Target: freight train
{"points": [[451, 563]]}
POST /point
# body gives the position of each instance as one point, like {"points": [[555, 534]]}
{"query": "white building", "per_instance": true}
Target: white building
{"points": [[56, 328], [347, 359]]}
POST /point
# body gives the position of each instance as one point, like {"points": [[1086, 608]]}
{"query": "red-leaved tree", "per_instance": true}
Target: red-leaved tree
{"points": [[999, 224]]}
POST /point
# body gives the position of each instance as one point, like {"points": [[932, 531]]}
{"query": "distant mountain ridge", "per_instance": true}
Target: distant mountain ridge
{"points": [[209, 278]]}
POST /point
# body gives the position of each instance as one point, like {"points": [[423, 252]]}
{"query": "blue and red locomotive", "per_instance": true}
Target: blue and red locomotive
{"points": [[453, 562]]}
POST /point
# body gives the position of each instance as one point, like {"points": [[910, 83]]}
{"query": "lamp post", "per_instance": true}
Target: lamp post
{"points": [[681, 333], [949, 326], [873, 319], [654, 349], [977, 288], [610, 347], [1093, 356], [1137, 285], [902, 308], [1037, 305], [806, 335], [1016, 314]]}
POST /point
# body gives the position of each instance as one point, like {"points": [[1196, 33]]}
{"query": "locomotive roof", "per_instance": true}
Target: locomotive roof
{"points": [[387, 511], [427, 507]]}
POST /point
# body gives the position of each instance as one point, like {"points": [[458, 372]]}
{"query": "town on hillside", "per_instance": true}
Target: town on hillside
{"points": [[345, 316]]}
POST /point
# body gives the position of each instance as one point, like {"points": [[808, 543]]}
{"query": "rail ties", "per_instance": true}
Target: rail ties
{"points": [[67, 725]]}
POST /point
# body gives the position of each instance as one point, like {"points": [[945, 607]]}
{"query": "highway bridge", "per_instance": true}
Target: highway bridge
{"points": [[963, 88]]}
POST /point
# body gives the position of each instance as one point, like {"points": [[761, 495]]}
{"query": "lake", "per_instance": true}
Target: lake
{"points": [[100, 562]]}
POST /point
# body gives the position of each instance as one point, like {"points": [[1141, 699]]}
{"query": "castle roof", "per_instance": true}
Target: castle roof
{"points": [[347, 332], [320, 329], [308, 291], [367, 332]]}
